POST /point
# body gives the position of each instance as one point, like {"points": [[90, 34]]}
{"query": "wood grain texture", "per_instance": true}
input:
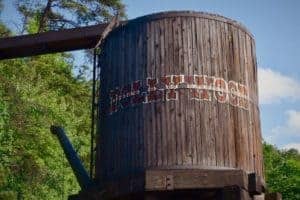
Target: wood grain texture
{"points": [[193, 179], [185, 133]]}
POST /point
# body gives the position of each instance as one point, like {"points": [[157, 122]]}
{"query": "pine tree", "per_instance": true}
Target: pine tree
{"points": [[60, 14]]}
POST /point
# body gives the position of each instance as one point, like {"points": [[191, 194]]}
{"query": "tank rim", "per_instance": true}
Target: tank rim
{"points": [[189, 13]]}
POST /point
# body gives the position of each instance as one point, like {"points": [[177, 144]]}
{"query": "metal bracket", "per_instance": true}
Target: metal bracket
{"points": [[169, 182]]}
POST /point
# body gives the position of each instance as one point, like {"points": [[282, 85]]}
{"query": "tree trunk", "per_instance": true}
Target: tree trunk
{"points": [[44, 17]]}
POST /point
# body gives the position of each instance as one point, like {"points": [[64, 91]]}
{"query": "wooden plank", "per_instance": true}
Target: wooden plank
{"points": [[172, 105], [198, 70], [211, 111], [250, 80], [163, 104], [126, 128], [134, 108], [147, 113], [158, 106], [153, 117], [192, 103], [156, 180], [169, 112], [142, 65], [181, 110], [242, 113], [236, 113], [107, 133], [214, 104], [177, 69], [220, 131], [257, 131], [231, 124], [273, 196], [259, 197], [203, 151], [113, 134], [223, 51], [122, 148], [183, 98]]}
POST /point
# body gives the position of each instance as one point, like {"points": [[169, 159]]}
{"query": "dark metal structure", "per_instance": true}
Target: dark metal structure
{"points": [[55, 41], [81, 174], [178, 111]]}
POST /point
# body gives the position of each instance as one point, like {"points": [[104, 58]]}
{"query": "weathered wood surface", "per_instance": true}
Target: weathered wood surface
{"points": [[273, 196], [156, 180], [186, 133], [182, 183], [232, 193]]}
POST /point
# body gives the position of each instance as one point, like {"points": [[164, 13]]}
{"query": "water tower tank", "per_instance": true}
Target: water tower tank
{"points": [[178, 92]]}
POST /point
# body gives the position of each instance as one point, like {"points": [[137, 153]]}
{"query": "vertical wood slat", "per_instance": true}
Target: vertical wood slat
{"points": [[153, 132], [198, 70], [193, 104], [185, 133], [236, 113], [209, 108], [170, 106], [224, 131], [177, 59], [242, 133], [157, 106]]}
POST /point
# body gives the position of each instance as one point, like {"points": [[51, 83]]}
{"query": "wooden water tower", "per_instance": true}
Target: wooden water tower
{"points": [[179, 104], [179, 116]]}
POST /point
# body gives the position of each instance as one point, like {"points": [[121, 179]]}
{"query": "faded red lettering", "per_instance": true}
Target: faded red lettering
{"points": [[221, 87]]}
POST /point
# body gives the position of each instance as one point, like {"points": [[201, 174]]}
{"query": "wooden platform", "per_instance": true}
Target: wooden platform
{"points": [[182, 184]]}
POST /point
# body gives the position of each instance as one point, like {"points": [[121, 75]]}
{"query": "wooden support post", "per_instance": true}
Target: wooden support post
{"points": [[259, 197], [255, 184], [273, 196], [233, 193]]}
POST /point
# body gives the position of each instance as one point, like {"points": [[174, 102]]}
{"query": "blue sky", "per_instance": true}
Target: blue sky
{"points": [[275, 25]]}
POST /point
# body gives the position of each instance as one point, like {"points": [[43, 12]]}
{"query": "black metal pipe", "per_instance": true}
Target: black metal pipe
{"points": [[81, 174], [93, 113]]}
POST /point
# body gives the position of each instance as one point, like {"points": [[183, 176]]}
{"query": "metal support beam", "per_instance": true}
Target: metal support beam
{"points": [[79, 171], [53, 41]]}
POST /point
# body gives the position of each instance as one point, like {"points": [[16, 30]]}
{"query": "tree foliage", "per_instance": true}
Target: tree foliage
{"points": [[36, 93], [59, 14], [282, 170]]}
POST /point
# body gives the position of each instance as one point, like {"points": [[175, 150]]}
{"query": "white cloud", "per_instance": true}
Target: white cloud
{"points": [[275, 87], [293, 120], [288, 131], [292, 124], [292, 146]]}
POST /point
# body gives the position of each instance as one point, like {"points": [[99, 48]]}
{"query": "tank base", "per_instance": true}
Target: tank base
{"points": [[182, 184], [230, 193]]}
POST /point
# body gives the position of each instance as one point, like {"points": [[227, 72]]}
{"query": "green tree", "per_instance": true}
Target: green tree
{"points": [[4, 32], [59, 14], [35, 93], [38, 92], [282, 170]]}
